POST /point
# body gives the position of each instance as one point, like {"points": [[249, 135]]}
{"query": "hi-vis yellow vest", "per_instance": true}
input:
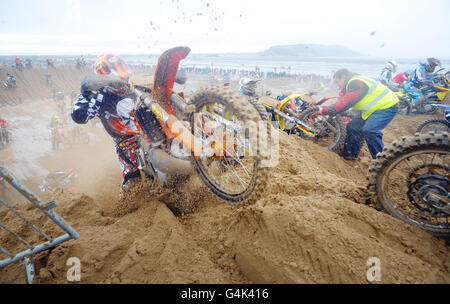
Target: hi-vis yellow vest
{"points": [[379, 97]]}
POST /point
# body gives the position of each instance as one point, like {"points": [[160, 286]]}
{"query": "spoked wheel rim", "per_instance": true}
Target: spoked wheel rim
{"points": [[232, 173], [415, 189], [435, 126]]}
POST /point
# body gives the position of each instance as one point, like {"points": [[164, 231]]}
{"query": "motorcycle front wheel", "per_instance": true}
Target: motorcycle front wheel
{"points": [[410, 180], [225, 119]]}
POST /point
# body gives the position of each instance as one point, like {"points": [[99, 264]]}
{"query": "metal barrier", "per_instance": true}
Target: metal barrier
{"points": [[27, 255]]}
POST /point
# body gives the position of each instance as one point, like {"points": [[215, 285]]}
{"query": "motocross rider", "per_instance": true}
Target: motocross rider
{"points": [[419, 77], [18, 62], [10, 79], [377, 106], [113, 107], [387, 74]]}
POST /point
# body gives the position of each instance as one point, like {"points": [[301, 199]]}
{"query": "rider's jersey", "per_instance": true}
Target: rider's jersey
{"points": [[386, 77], [400, 78], [113, 111], [418, 75]]}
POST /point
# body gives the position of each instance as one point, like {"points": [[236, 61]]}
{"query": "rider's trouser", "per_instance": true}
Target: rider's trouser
{"points": [[370, 130], [126, 149]]}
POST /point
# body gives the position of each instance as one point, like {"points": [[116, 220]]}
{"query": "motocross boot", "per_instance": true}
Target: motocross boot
{"points": [[130, 179]]}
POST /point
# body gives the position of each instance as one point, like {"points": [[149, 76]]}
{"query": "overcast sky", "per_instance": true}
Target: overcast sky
{"points": [[403, 28]]}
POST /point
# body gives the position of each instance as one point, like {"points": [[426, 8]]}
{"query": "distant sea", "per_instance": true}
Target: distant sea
{"points": [[323, 66]]}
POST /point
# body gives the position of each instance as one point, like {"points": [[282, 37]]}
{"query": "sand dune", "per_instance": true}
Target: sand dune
{"points": [[312, 225]]}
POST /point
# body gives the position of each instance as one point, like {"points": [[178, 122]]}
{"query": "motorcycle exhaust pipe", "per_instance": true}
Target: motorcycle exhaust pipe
{"points": [[166, 165]]}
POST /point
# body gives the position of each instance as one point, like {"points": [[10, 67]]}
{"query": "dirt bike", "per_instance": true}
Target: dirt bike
{"points": [[405, 103], [60, 179], [283, 114], [433, 94], [410, 180], [296, 114], [209, 134], [60, 138], [5, 137], [329, 131], [435, 90], [9, 82], [437, 125]]}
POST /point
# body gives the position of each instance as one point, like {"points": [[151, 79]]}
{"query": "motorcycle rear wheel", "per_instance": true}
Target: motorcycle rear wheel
{"points": [[234, 177]]}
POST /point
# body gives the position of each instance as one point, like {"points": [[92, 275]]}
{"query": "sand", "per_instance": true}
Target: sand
{"points": [[312, 225]]}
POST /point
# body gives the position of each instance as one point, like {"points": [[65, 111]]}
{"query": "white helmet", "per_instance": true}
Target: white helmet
{"points": [[392, 65], [248, 86]]}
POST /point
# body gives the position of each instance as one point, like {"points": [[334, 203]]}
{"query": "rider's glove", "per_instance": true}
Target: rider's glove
{"points": [[94, 100]]}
